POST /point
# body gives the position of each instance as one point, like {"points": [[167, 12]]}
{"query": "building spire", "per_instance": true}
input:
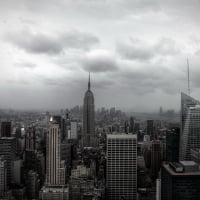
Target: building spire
{"points": [[89, 82]]}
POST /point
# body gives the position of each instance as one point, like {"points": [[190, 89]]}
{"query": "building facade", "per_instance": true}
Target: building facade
{"points": [[121, 171], [190, 126], [180, 181]]}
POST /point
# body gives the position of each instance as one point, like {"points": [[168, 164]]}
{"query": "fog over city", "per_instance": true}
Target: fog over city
{"points": [[136, 52]]}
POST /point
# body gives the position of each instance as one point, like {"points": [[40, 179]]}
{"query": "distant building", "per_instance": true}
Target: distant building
{"points": [[172, 144], [88, 135], [8, 151], [180, 180], [121, 168], [3, 178], [195, 155], [54, 193], [74, 130], [131, 125], [30, 139], [155, 157], [150, 128], [6, 129], [190, 126]]}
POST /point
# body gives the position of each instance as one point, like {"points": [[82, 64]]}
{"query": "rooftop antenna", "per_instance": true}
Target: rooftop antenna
{"points": [[188, 76]]}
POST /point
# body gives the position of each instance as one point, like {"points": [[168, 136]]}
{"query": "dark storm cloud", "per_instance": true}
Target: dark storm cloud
{"points": [[139, 50], [44, 43], [99, 61]]}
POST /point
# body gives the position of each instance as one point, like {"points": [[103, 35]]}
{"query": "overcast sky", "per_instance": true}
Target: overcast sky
{"points": [[136, 51]]}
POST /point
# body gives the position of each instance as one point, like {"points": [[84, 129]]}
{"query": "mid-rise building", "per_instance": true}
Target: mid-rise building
{"points": [[180, 180], [121, 171]]}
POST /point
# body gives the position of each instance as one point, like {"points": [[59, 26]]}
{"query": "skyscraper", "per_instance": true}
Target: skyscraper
{"points": [[55, 172], [190, 126], [88, 135], [121, 167], [54, 187]]}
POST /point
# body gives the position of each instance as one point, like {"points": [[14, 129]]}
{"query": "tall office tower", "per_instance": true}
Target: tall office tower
{"points": [[155, 157], [54, 187], [180, 180], [55, 174], [172, 144], [190, 126], [6, 129], [3, 178], [150, 128], [121, 167], [88, 136], [30, 138], [8, 151], [131, 125]]}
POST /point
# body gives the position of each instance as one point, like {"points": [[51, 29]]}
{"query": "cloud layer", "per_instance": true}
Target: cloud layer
{"points": [[136, 51]]}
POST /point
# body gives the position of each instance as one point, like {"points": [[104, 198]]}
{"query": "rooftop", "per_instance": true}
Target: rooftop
{"points": [[171, 171], [122, 136]]}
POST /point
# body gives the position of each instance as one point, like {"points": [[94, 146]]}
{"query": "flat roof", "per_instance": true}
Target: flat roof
{"points": [[173, 173], [122, 136], [188, 163]]}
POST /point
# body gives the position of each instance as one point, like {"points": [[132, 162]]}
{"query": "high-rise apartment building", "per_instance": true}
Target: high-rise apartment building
{"points": [[121, 169], [88, 135], [190, 126]]}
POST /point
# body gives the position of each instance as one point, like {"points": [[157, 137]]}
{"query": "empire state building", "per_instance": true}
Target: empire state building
{"points": [[88, 136]]}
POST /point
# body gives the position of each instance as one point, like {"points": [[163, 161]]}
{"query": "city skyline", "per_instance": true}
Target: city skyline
{"points": [[134, 50]]}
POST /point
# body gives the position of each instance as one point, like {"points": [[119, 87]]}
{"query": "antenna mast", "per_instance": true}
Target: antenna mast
{"points": [[188, 76]]}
